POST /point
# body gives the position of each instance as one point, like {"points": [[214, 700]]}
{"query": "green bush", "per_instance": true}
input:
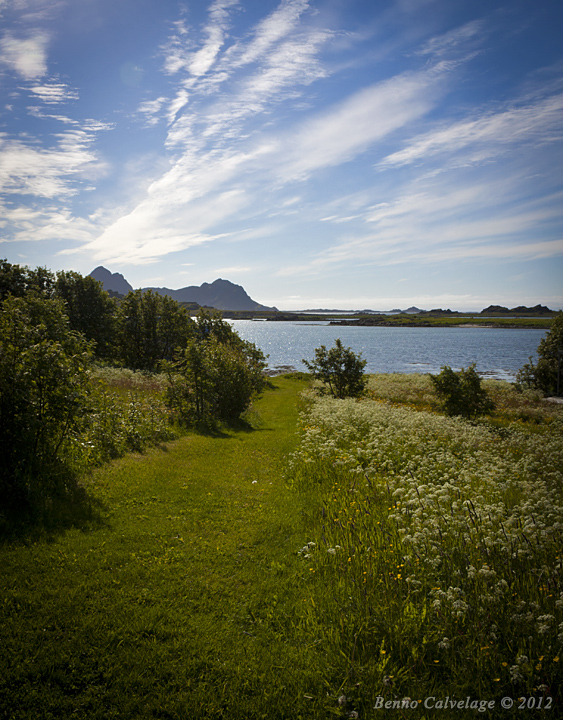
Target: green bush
{"points": [[44, 395], [212, 380], [461, 392], [340, 369], [544, 374]]}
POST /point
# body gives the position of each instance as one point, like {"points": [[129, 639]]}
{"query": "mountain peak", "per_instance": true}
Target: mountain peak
{"points": [[221, 294], [111, 281]]}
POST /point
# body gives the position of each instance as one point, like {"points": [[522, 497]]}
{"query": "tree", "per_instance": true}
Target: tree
{"points": [[461, 392], [18, 280], [216, 375], [91, 311], [546, 374], [339, 368], [151, 327], [44, 391]]}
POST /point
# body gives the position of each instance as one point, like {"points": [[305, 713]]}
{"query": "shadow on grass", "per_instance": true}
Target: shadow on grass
{"points": [[26, 521]]}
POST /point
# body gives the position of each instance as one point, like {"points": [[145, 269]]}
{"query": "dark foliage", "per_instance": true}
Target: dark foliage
{"points": [[545, 375], [216, 375], [44, 389], [461, 392], [340, 369]]}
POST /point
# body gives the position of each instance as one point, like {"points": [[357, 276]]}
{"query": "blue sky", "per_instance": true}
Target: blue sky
{"points": [[321, 153]]}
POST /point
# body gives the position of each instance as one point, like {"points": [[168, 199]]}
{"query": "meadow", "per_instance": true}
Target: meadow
{"points": [[317, 556], [440, 541]]}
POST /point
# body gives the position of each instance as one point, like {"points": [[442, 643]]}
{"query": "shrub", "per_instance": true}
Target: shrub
{"points": [[545, 375], [461, 392], [44, 393], [339, 368], [212, 380]]}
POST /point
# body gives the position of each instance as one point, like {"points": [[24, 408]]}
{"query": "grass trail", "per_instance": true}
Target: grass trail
{"points": [[183, 603]]}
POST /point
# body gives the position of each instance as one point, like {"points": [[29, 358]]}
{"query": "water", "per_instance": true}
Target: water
{"points": [[498, 353]]}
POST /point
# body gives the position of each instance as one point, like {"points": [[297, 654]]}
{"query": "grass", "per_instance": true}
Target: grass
{"points": [[181, 601], [440, 541], [399, 553], [428, 320]]}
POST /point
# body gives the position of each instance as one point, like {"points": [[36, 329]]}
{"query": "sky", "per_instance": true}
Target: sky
{"points": [[343, 154]]}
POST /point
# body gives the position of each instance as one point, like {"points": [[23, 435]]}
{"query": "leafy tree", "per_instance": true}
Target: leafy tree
{"points": [[17, 280], [216, 375], [461, 392], [339, 368], [44, 388], [544, 375], [91, 311], [151, 327]]}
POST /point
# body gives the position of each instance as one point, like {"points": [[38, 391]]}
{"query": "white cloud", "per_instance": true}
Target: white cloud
{"points": [[47, 224], [460, 38], [352, 126], [151, 109], [178, 53], [49, 172], [269, 31], [54, 93], [489, 135], [27, 56], [442, 220], [177, 104]]}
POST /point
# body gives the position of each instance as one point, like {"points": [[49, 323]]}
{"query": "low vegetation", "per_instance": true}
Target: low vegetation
{"points": [[461, 393], [434, 544]]}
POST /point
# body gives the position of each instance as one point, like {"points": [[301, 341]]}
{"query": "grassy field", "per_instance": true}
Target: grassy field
{"points": [[441, 542], [302, 569], [425, 320], [180, 601]]}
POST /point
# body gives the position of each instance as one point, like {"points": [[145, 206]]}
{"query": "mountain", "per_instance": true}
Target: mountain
{"points": [[221, 294], [112, 282]]}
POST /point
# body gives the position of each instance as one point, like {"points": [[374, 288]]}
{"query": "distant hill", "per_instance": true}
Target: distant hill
{"points": [[112, 282], [220, 294], [520, 310]]}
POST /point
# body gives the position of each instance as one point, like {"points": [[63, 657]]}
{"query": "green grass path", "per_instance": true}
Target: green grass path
{"points": [[184, 603]]}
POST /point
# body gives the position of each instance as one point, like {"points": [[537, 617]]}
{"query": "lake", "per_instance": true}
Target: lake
{"points": [[498, 352]]}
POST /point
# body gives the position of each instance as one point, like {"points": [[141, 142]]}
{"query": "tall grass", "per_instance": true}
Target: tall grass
{"points": [[435, 548], [127, 414]]}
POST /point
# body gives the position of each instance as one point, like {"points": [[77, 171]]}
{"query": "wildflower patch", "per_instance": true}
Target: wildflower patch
{"points": [[449, 537]]}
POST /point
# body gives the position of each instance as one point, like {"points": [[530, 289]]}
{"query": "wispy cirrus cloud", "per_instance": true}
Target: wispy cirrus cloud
{"points": [[490, 134], [50, 223], [463, 39], [179, 52], [49, 172], [364, 118], [267, 33], [53, 93], [438, 221], [202, 60], [150, 110]]}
